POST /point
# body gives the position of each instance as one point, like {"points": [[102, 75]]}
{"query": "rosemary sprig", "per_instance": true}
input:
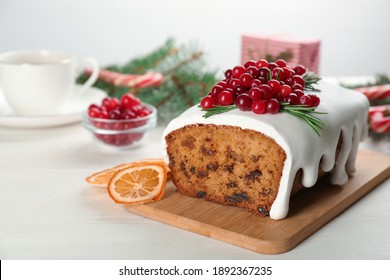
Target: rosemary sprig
{"points": [[299, 111], [217, 110], [310, 79], [304, 113]]}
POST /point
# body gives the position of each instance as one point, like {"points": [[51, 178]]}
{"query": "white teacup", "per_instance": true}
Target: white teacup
{"points": [[38, 82]]}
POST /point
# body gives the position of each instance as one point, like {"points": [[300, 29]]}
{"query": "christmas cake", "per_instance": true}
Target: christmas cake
{"points": [[257, 153]]}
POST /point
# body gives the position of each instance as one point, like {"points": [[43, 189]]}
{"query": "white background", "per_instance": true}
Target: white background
{"points": [[355, 34]]}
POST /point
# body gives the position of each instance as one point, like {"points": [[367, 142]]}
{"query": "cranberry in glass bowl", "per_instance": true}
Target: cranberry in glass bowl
{"points": [[123, 129]]}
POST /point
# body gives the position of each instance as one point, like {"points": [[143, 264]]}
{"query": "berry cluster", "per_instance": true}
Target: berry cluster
{"points": [[128, 107], [261, 87], [121, 116]]}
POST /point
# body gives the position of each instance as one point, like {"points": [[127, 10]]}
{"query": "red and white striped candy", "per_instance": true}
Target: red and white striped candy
{"points": [[375, 92], [380, 118], [149, 79]]}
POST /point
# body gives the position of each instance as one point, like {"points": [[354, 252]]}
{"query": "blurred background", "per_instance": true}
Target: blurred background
{"points": [[354, 35]]}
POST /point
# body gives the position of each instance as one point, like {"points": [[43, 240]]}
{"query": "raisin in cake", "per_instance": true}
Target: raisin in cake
{"points": [[257, 162]]}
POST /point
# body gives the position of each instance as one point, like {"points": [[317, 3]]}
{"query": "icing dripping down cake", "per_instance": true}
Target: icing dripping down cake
{"points": [[257, 162]]}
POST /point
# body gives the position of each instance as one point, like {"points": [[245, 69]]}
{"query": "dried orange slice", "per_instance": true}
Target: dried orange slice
{"points": [[101, 178], [138, 184]]}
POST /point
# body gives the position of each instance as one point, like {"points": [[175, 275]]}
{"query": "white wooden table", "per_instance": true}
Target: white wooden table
{"points": [[47, 211]]}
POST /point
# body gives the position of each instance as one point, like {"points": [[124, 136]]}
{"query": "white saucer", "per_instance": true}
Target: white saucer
{"points": [[70, 113]]}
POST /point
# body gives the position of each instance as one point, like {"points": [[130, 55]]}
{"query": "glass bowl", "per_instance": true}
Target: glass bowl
{"points": [[120, 134]]}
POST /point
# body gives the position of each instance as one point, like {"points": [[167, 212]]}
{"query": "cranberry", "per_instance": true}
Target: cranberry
{"points": [[273, 106], [305, 100], [262, 63], [284, 74], [216, 89], [239, 89], [287, 73], [276, 72], [105, 101], [253, 71], [263, 80], [267, 91], [292, 98], [280, 97], [297, 79], [129, 100], [93, 106], [259, 107], [285, 90], [315, 100], [300, 69], [281, 62], [228, 73], [255, 83], [225, 98], [274, 85], [103, 115], [115, 114], [272, 65], [223, 84], [256, 93], [94, 112], [246, 79], [113, 104], [238, 71], [129, 114], [244, 102], [249, 63], [234, 82], [298, 92], [143, 112], [296, 86], [263, 72], [288, 81], [207, 102]]}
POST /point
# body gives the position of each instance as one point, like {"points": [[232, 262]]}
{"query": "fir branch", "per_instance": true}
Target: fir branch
{"points": [[187, 78], [191, 58]]}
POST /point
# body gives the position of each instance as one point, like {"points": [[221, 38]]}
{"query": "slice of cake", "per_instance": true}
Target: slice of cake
{"points": [[257, 161]]}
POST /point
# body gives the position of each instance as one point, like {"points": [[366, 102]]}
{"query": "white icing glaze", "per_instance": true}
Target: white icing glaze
{"points": [[346, 115]]}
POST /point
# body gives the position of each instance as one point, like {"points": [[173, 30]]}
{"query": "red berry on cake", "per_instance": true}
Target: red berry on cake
{"points": [[246, 79], [225, 98], [256, 93], [262, 63], [300, 69], [207, 102], [259, 107], [238, 71], [305, 100], [274, 85], [244, 102], [315, 100], [273, 106]]}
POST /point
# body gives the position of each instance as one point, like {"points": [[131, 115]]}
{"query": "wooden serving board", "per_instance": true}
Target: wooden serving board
{"points": [[309, 211]]}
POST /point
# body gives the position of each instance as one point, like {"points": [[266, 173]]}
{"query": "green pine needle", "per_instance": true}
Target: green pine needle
{"points": [[310, 79], [304, 113], [217, 110]]}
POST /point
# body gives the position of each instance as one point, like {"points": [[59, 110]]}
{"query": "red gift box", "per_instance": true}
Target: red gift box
{"points": [[295, 49]]}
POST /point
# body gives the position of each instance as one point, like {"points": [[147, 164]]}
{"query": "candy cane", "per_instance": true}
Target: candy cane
{"points": [[380, 118], [149, 79], [375, 92]]}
